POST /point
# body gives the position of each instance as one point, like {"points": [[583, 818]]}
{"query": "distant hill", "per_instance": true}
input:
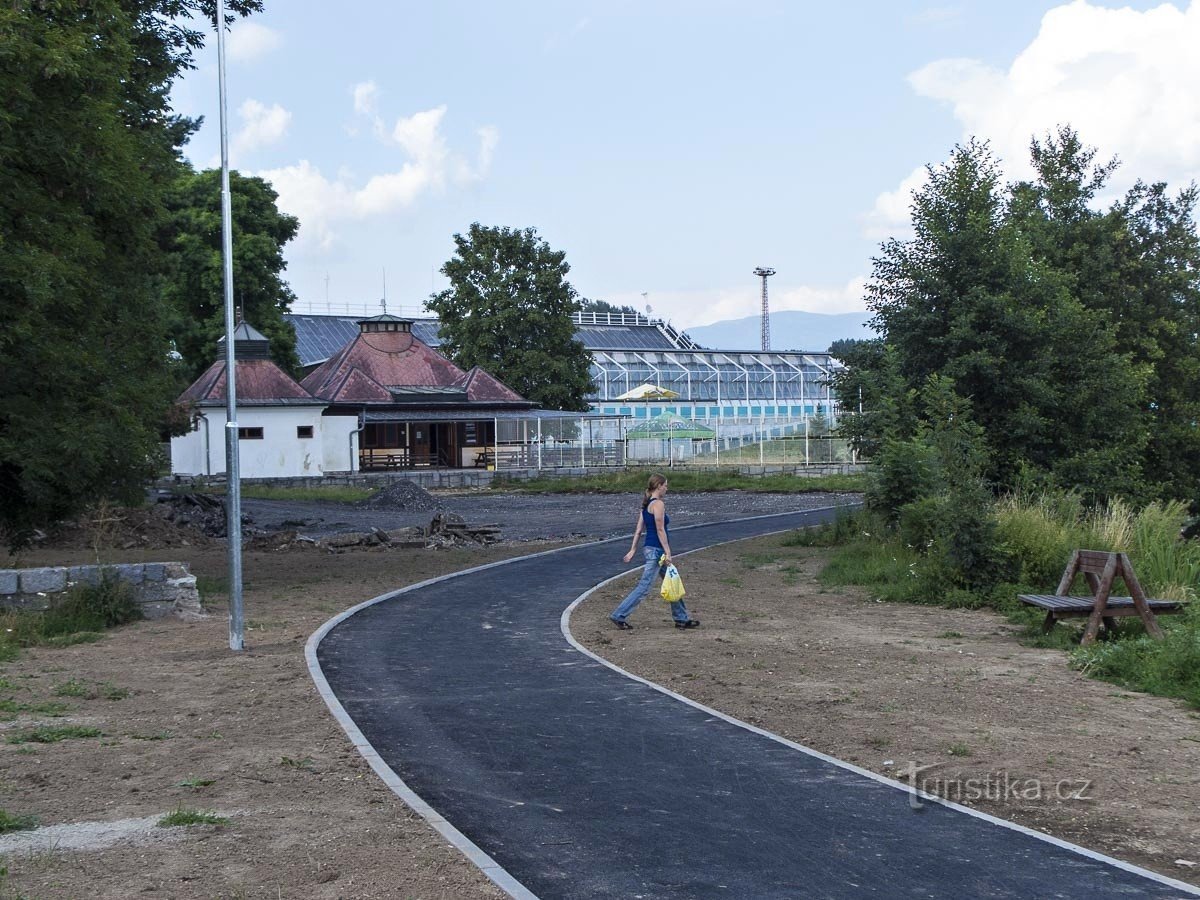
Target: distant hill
{"points": [[790, 330]]}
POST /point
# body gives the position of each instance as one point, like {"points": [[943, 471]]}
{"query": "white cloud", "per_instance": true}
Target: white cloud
{"points": [[366, 98], [1124, 80], [691, 309], [890, 217], [250, 41], [321, 202], [262, 126]]}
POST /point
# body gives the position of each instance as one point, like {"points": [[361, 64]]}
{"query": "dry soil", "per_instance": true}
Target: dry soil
{"points": [[187, 724]]}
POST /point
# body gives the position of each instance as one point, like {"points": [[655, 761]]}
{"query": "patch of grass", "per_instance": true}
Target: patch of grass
{"points": [[950, 635], [181, 817], [1168, 668], [110, 691], [10, 822], [73, 687], [306, 763], [196, 783], [332, 493], [958, 749], [52, 735], [634, 481], [10, 708], [84, 612], [210, 586], [157, 736], [70, 640], [848, 526]]}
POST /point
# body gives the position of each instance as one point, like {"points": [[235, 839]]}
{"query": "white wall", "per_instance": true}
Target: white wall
{"points": [[338, 455], [279, 454]]}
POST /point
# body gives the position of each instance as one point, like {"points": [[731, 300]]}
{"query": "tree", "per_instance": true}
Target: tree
{"points": [[969, 300], [1136, 263], [603, 306], [195, 285], [508, 309], [88, 146]]}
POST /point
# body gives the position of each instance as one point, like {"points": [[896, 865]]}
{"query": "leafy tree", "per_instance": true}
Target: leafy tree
{"points": [[195, 284], [968, 299], [88, 145], [603, 306], [1136, 263], [508, 309]]}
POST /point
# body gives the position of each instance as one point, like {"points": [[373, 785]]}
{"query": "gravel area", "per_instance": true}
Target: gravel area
{"points": [[528, 517]]}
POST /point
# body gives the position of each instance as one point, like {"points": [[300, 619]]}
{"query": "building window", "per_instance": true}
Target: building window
{"points": [[250, 434], [304, 431]]}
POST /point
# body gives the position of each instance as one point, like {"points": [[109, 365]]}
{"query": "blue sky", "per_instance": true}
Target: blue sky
{"points": [[668, 147]]}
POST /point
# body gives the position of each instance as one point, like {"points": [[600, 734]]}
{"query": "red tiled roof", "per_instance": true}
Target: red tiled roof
{"points": [[483, 386], [257, 379], [376, 361]]}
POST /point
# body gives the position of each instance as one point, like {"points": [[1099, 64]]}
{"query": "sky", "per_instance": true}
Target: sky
{"points": [[668, 147]]}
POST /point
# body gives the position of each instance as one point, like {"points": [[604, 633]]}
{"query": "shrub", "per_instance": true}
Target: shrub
{"points": [[904, 472], [1170, 667], [846, 527], [1039, 534]]}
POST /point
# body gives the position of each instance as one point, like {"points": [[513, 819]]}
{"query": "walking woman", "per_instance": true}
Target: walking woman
{"points": [[652, 521]]}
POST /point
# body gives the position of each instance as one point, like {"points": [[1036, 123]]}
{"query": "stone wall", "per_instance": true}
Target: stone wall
{"points": [[161, 589]]}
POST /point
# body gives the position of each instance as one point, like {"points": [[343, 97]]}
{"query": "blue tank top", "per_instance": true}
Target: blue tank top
{"points": [[651, 529]]}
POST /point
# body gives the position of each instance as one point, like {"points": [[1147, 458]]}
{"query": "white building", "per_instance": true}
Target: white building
{"points": [[282, 429]]}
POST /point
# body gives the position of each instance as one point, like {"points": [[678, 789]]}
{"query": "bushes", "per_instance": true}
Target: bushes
{"points": [[85, 610], [1169, 668]]}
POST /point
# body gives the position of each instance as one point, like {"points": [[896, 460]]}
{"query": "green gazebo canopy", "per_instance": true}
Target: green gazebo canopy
{"points": [[669, 425]]}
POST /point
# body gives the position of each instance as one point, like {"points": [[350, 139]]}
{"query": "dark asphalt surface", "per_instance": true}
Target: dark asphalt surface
{"points": [[529, 516], [583, 783]]}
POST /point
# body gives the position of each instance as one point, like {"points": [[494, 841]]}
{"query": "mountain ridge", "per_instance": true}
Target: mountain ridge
{"points": [[790, 330]]}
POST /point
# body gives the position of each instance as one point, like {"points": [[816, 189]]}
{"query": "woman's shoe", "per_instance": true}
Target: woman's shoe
{"points": [[624, 626], [690, 623]]}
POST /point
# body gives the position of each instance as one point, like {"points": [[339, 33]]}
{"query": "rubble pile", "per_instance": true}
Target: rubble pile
{"points": [[448, 529], [444, 531], [203, 512], [403, 495]]}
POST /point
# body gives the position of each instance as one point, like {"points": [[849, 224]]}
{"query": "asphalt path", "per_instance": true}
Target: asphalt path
{"points": [[563, 777]]}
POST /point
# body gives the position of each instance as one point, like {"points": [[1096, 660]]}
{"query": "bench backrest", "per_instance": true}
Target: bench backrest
{"points": [[1094, 562]]}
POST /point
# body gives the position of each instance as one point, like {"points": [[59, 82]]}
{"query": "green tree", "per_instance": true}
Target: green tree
{"points": [[603, 306], [195, 285], [508, 309], [968, 299], [1137, 264], [88, 146]]}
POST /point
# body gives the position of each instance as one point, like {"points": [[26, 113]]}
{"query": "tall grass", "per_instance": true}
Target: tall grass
{"points": [[1169, 667], [1041, 531], [86, 610]]}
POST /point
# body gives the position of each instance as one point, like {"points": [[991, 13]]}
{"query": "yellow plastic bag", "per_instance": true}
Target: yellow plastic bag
{"points": [[672, 586]]}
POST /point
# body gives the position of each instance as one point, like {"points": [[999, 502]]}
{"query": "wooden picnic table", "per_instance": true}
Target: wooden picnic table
{"points": [[1100, 569]]}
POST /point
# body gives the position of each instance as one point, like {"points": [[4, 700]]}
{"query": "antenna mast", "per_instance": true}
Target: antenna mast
{"points": [[764, 273]]}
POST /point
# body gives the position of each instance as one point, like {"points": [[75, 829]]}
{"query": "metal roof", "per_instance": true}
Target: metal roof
{"points": [[320, 337], [475, 415]]}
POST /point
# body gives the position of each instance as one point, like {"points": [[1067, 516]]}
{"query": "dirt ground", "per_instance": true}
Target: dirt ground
{"points": [[950, 696], [187, 724]]}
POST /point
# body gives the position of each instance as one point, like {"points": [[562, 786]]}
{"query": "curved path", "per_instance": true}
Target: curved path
{"points": [[563, 777]]}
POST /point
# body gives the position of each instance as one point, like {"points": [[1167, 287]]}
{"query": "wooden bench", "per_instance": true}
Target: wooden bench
{"points": [[1100, 569]]}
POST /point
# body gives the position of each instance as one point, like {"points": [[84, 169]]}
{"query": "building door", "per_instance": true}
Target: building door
{"points": [[420, 443]]}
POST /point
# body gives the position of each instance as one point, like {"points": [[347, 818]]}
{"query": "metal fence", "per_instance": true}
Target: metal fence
{"points": [[616, 441]]}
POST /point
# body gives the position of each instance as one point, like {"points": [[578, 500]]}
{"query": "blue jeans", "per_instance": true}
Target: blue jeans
{"points": [[678, 611]]}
